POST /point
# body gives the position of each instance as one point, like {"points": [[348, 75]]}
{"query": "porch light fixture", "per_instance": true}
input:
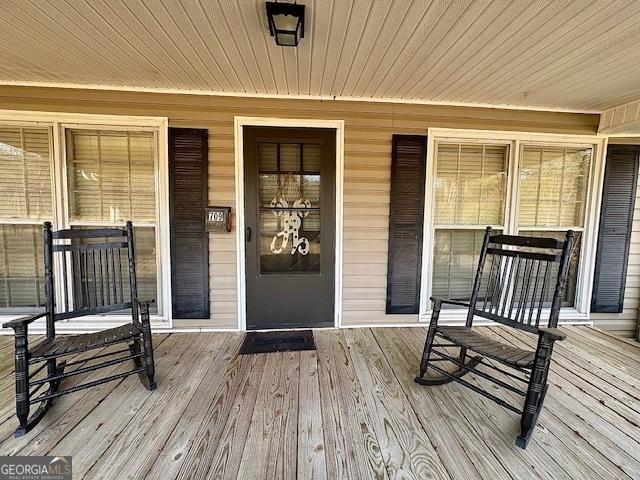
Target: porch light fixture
{"points": [[286, 23]]}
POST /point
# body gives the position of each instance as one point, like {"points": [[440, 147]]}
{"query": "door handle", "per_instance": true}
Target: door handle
{"points": [[247, 234]]}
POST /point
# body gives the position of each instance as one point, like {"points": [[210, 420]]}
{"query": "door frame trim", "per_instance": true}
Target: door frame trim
{"points": [[239, 123]]}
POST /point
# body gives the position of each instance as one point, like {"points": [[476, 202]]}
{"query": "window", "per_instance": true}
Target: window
{"points": [[553, 194], [470, 194], [25, 203], [475, 187], [105, 178], [111, 179]]}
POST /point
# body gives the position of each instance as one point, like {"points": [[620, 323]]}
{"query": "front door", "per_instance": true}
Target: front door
{"points": [[290, 226]]}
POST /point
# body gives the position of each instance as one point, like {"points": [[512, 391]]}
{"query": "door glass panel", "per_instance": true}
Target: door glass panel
{"points": [[268, 156], [289, 157], [311, 157], [289, 207], [311, 186]]}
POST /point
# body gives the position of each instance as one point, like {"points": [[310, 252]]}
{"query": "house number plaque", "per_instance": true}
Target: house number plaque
{"points": [[218, 219]]}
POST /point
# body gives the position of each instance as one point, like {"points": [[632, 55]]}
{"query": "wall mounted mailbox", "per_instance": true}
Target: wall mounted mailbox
{"points": [[217, 219]]}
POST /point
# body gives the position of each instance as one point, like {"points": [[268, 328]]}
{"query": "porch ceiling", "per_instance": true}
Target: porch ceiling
{"points": [[540, 53]]}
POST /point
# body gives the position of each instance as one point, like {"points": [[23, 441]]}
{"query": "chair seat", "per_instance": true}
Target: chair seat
{"points": [[488, 347], [68, 344]]}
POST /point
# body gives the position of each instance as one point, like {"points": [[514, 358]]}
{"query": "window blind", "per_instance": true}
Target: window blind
{"points": [[111, 179], [471, 182], [111, 176], [25, 186], [552, 199], [553, 186], [25, 167], [21, 266]]}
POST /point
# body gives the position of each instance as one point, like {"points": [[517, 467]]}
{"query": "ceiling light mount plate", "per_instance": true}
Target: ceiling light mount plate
{"points": [[286, 23]]}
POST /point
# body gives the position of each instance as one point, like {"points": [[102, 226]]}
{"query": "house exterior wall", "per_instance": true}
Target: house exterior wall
{"points": [[367, 159]]}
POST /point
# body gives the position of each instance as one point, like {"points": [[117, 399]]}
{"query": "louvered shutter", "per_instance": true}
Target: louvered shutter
{"points": [[188, 167], [616, 220], [406, 216]]}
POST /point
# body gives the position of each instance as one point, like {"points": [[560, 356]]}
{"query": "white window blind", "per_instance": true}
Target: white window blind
{"points": [[111, 176], [553, 187], [470, 184], [111, 179], [470, 194], [25, 167], [25, 202]]}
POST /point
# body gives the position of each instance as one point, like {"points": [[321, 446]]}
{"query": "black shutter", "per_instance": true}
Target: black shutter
{"points": [[616, 221], [406, 216], [188, 162]]}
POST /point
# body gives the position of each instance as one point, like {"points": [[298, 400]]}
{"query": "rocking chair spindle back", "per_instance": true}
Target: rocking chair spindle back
{"points": [[517, 281], [97, 271]]}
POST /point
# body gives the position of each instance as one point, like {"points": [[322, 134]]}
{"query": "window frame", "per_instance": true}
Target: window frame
{"points": [[58, 124], [517, 140]]}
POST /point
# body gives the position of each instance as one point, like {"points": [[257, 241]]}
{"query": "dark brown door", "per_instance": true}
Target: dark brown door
{"points": [[290, 226]]}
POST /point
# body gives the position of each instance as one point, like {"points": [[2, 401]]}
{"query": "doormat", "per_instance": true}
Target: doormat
{"points": [[266, 342]]}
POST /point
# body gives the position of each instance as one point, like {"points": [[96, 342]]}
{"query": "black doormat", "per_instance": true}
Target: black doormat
{"points": [[265, 342]]}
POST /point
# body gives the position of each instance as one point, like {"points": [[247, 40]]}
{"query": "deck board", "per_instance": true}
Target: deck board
{"points": [[347, 410]]}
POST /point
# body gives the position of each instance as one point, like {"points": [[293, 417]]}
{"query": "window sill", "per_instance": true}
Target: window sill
{"points": [[458, 316], [89, 324]]}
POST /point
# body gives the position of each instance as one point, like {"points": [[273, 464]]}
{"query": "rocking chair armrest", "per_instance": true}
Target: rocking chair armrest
{"points": [[144, 305], [147, 302], [23, 321], [450, 302], [553, 333]]}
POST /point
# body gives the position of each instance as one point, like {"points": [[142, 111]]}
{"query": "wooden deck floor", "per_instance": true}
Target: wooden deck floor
{"points": [[348, 410]]}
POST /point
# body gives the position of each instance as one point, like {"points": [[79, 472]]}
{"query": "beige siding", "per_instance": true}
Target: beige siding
{"points": [[368, 131]]}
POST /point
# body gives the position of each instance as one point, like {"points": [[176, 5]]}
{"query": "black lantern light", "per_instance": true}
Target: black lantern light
{"points": [[286, 23]]}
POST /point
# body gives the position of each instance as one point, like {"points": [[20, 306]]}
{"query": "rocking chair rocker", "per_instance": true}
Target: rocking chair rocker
{"points": [[514, 292], [94, 282]]}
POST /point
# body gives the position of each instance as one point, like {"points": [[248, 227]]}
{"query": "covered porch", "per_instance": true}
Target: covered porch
{"points": [[347, 410]]}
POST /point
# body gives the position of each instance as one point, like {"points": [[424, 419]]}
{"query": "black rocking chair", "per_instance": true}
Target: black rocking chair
{"points": [[97, 267], [513, 292]]}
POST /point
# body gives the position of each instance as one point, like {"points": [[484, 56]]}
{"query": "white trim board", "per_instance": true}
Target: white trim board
{"points": [[241, 122], [324, 98]]}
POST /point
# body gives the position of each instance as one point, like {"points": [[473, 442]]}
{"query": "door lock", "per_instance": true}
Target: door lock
{"points": [[247, 234]]}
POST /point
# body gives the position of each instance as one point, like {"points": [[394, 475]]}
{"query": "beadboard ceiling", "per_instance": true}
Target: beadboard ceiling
{"points": [[581, 54]]}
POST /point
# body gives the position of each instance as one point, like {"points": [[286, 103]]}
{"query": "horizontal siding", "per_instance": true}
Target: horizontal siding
{"points": [[368, 131]]}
